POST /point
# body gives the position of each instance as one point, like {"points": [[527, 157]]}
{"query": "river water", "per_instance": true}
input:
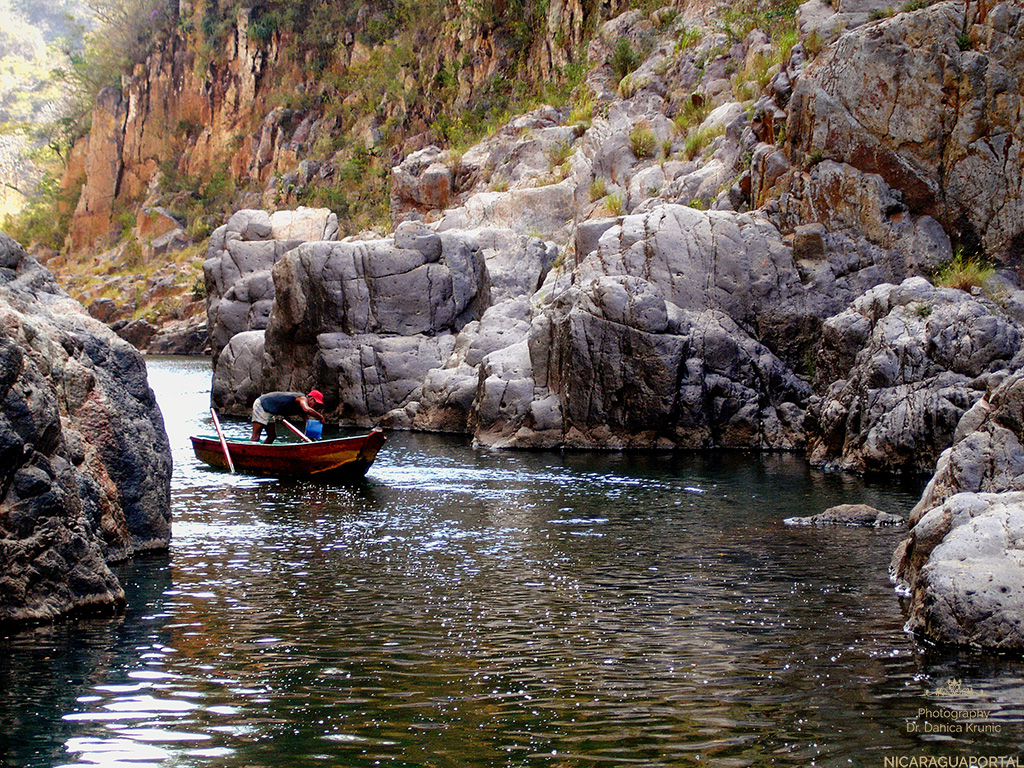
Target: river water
{"points": [[466, 608]]}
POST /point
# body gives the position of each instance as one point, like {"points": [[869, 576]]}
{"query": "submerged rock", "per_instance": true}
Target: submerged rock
{"points": [[85, 465], [849, 514]]}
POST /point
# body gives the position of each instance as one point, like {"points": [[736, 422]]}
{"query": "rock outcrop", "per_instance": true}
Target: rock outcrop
{"points": [[987, 454], [240, 255], [369, 319], [650, 340], [927, 101], [84, 460], [900, 368], [961, 567]]}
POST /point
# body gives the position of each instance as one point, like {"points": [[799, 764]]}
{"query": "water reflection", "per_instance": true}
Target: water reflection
{"points": [[470, 608]]}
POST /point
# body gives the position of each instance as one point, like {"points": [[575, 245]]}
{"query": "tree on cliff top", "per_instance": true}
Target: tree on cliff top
{"points": [[105, 42]]}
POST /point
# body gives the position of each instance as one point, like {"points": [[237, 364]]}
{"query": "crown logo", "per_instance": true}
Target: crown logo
{"points": [[954, 687]]}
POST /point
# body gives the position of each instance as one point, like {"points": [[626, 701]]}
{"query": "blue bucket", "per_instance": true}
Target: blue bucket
{"points": [[314, 429]]}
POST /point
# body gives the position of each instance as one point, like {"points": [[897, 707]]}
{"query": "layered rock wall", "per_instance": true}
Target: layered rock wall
{"points": [[369, 319], [195, 104], [900, 368]]}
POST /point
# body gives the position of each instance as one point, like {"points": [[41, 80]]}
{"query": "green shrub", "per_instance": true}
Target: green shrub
{"points": [[598, 189], [642, 140], [558, 155], [582, 108], [614, 204], [198, 288], [814, 44], [46, 219], [691, 113], [688, 38], [624, 59], [699, 140]]}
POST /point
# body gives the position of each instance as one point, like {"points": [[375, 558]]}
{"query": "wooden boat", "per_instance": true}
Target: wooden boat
{"points": [[344, 458]]}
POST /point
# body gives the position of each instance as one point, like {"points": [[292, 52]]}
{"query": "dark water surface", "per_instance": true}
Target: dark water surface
{"points": [[470, 608]]}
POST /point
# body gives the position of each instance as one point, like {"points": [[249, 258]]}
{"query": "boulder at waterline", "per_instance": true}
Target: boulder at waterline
{"points": [[85, 464], [962, 564], [963, 570]]}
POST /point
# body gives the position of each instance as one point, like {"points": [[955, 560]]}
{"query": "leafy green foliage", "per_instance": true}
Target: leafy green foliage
{"points": [[772, 16], [46, 218], [699, 140], [201, 201], [624, 59]]}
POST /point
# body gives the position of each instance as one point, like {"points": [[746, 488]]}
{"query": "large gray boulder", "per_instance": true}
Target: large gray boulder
{"points": [[899, 369], [450, 390], [238, 374], [675, 328], [987, 453], [85, 465], [616, 365], [240, 254], [961, 567]]}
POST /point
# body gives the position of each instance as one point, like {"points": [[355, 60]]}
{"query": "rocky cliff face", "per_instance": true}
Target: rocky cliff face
{"points": [[926, 100], [194, 106], [84, 461]]}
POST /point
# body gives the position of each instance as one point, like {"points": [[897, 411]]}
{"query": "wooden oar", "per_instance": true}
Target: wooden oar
{"points": [[295, 429], [223, 442]]}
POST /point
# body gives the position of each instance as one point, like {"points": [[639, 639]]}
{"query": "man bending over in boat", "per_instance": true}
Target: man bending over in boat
{"points": [[275, 406]]}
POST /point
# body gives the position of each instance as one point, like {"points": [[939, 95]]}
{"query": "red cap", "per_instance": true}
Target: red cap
{"points": [[316, 396]]}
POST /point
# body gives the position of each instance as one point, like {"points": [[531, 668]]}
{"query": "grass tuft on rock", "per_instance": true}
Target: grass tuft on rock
{"points": [[964, 272]]}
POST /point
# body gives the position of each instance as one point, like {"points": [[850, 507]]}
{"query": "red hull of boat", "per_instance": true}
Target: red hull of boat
{"points": [[341, 458]]}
